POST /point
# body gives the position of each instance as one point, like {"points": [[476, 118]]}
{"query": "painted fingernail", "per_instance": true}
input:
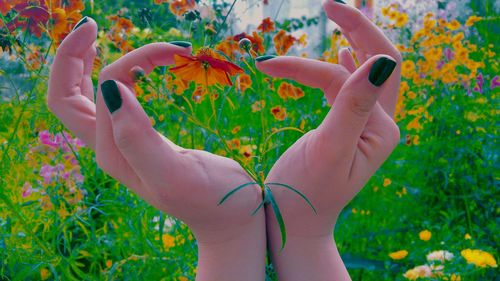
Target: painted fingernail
{"points": [[82, 21], [183, 44], [381, 70], [264, 58], [339, 1], [111, 95]]}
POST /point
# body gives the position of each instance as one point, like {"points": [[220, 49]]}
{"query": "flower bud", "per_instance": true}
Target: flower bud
{"points": [[245, 44]]}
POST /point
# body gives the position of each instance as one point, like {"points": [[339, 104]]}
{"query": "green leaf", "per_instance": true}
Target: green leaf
{"points": [[296, 191], [277, 213], [232, 192], [258, 207]]}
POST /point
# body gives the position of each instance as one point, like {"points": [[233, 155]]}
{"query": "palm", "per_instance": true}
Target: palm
{"points": [[187, 184]]}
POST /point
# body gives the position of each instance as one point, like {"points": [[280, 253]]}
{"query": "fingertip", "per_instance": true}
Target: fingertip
{"points": [[80, 39]]}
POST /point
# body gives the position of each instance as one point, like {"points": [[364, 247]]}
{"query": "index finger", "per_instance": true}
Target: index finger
{"points": [[147, 57], [368, 38]]}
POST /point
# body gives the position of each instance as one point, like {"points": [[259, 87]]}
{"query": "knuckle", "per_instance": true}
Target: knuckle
{"points": [[126, 137], [396, 54], [360, 105], [394, 135], [105, 73]]}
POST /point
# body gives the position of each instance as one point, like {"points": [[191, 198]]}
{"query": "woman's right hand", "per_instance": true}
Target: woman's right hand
{"points": [[333, 162], [185, 183]]}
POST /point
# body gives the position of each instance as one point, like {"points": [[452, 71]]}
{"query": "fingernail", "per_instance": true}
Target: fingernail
{"points": [[111, 95], [381, 70], [82, 21], [339, 1], [264, 58], [183, 44]]}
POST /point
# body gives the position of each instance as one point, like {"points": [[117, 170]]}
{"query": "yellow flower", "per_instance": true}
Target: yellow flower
{"points": [[401, 20], [425, 235], [471, 116], [398, 255], [408, 68], [467, 236], [479, 258], [385, 11], [472, 20], [453, 25], [387, 182], [168, 241], [44, 274]]}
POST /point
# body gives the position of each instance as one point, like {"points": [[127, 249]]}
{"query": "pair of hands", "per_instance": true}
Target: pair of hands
{"points": [[329, 164]]}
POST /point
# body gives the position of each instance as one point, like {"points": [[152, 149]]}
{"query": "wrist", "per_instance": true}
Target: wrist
{"points": [[234, 254], [308, 258], [310, 252]]}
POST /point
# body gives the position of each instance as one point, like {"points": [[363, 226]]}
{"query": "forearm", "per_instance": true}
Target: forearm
{"points": [[240, 258], [306, 258]]}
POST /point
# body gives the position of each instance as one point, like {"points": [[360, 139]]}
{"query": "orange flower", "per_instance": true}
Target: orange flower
{"points": [[233, 144], [177, 86], [228, 47], [119, 32], [199, 94], [5, 7], [266, 26], [244, 82], [255, 38], [279, 113], [283, 42], [287, 90], [180, 7], [258, 105], [205, 68]]}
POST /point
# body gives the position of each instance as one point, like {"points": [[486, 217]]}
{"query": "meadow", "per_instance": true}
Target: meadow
{"points": [[430, 212]]}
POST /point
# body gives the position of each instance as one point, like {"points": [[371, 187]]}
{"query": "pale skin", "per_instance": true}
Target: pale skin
{"points": [[329, 164]]}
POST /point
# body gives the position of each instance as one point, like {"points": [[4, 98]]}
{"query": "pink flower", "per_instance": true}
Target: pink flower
{"points": [[27, 189], [494, 82], [48, 139]]}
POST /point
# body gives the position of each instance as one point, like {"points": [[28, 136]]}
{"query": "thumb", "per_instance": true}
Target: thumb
{"points": [[140, 144], [347, 119]]}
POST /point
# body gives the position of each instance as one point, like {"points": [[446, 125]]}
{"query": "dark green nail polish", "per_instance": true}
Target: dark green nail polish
{"points": [[264, 58], [381, 70], [183, 44], [111, 95], [340, 1], [82, 21]]}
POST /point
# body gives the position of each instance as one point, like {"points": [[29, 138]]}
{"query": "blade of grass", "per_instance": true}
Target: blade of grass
{"points": [[230, 193], [277, 213], [296, 191]]}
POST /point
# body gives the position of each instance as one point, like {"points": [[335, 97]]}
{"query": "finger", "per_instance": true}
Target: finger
{"points": [[346, 60], [147, 57], [368, 38], [139, 143], [359, 53], [313, 73], [67, 98], [347, 119], [87, 86]]}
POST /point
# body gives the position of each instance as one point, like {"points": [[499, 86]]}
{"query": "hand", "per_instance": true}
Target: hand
{"points": [[332, 163], [187, 184]]}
